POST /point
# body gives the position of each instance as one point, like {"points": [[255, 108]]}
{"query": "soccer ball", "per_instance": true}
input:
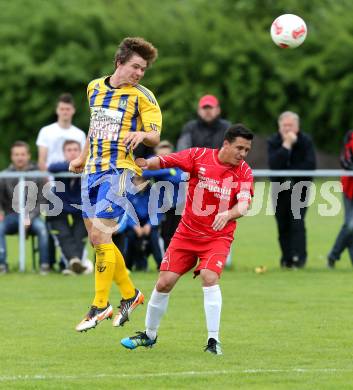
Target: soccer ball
{"points": [[288, 31]]}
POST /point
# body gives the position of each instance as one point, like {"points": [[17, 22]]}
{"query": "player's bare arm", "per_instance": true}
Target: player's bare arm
{"points": [[78, 164], [237, 211], [134, 138], [152, 163]]}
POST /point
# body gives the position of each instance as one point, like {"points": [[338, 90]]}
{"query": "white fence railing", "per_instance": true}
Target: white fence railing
{"points": [[37, 174]]}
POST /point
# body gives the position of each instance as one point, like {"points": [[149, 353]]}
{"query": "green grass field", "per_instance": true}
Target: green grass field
{"points": [[280, 330]]}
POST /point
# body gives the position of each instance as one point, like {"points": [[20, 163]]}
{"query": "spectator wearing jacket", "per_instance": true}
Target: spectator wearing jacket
{"points": [[291, 149], [207, 130], [344, 240], [68, 226], [171, 198], [9, 206]]}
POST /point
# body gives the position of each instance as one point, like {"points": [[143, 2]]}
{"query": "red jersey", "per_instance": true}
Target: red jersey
{"points": [[213, 187]]}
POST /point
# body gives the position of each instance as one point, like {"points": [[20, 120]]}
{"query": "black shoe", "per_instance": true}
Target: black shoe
{"points": [[331, 262], [4, 269], [213, 346], [286, 263]]}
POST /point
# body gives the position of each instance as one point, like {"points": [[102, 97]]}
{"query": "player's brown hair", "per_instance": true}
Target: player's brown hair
{"points": [[238, 130], [135, 45]]}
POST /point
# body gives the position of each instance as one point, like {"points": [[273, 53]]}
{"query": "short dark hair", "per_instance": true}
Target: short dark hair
{"points": [[136, 45], [21, 144], [69, 142], [238, 130], [66, 98]]}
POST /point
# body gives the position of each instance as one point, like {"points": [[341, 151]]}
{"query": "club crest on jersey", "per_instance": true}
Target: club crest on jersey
{"points": [[122, 104]]}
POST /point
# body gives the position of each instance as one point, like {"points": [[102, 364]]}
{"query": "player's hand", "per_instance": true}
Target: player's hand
{"points": [[142, 163], [77, 165], [134, 138], [220, 221]]}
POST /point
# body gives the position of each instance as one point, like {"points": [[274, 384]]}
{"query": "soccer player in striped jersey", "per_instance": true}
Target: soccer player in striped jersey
{"points": [[219, 192], [123, 115]]}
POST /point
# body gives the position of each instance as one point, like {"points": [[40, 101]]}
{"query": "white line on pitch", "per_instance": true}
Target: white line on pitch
{"points": [[15, 378]]}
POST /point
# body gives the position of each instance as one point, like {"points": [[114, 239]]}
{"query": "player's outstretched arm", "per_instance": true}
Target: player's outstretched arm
{"points": [[152, 163]]}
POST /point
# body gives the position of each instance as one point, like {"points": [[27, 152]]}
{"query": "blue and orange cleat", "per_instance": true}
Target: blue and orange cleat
{"points": [[140, 340]]}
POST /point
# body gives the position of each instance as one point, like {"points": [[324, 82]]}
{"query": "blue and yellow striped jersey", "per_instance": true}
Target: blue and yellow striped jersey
{"points": [[114, 113]]}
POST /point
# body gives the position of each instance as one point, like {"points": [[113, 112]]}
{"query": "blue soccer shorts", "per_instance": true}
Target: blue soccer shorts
{"points": [[104, 193]]}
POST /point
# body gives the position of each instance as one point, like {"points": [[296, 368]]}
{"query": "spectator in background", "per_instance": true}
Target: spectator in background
{"points": [[291, 149], [51, 138], [143, 236], [9, 206], [207, 130], [345, 237], [68, 226], [173, 201]]}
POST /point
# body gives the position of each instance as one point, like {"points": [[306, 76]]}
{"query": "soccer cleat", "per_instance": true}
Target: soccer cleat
{"points": [[140, 340], [213, 346], [94, 317], [127, 306]]}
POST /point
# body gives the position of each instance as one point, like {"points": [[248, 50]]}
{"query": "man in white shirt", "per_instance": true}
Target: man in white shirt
{"points": [[51, 138], [50, 143]]}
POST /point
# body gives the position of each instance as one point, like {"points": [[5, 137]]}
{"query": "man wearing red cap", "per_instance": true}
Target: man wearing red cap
{"points": [[207, 130]]}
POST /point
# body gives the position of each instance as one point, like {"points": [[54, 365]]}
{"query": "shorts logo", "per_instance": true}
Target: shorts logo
{"points": [[219, 264]]}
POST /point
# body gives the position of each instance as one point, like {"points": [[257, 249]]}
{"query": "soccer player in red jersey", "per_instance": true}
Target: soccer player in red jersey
{"points": [[220, 190]]}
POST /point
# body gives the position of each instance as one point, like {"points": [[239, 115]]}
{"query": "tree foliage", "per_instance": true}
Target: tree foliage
{"points": [[221, 47]]}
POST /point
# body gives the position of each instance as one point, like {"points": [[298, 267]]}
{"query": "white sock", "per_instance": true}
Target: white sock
{"points": [[213, 305], [157, 306]]}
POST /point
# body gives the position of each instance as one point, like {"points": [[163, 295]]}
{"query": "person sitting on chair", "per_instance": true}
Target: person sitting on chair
{"points": [[10, 206], [68, 227]]}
